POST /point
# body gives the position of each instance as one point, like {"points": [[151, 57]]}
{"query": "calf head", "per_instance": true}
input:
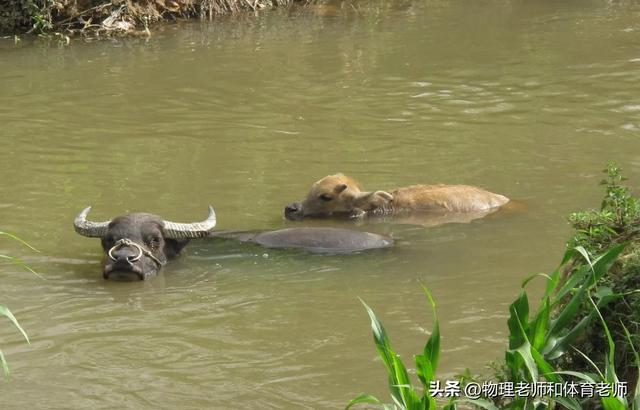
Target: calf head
{"points": [[137, 245], [337, 196]]}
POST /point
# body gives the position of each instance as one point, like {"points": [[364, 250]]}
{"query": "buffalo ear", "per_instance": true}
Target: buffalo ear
{"points": [[339, 188], [172, 247]]}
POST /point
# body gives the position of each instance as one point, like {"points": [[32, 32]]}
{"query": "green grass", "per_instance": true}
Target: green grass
{"points": [[4, 311], [403, 393]]}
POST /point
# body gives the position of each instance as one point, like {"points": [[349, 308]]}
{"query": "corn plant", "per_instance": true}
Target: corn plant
{"points": [[4, 311], [535, 341], [404, 394], [609, 375]]}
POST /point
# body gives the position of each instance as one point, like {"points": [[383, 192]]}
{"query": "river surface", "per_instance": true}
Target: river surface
{"points": [[528, 99]]}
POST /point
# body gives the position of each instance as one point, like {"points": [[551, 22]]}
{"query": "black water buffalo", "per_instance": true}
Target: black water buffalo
{"points": [[317, 240], [137, 245]]}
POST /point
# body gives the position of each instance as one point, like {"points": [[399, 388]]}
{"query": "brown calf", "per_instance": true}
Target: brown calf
{"points": [[341, 196]]}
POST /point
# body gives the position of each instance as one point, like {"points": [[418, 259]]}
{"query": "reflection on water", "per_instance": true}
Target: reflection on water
{"points": [[529, 100]]}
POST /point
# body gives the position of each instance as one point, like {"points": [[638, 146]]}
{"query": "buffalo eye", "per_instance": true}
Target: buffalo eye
{"points": [[154, 243], [325, 197]]}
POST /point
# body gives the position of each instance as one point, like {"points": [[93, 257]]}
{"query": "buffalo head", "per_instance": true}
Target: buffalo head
{"points": [[137, 245]]}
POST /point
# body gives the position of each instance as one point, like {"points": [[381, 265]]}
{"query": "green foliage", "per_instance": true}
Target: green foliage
{"points": [[617, 220], [4, 311], [41, 16], [536, 340], [403, 393]]}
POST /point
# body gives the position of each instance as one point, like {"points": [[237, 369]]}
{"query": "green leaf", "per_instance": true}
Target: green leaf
{"points": [[576, 279], [426, 375], [4, 311], [610, 359], [588, 359], [535, 275], [569, 312], [432, 347], [363, 398], [612, 403], [409, 398], [5, 366], [636, 393], [21, 263], [14, 237], [582, 251], [547, 370], [450, 406], [482, 403], [540, 325], [524, 350], [558, 346], [604, 262], [400, 386], [424, 370], [569, 403], [519, 312]]}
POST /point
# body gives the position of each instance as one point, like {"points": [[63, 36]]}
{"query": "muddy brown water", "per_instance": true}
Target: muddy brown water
{"points": [[528, 99]]}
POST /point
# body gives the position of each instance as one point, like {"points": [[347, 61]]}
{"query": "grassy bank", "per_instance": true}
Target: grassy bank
{"points": [[114, 17]]}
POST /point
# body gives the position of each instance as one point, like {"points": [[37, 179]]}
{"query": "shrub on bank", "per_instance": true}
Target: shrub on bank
{"points": [[113, 17]]}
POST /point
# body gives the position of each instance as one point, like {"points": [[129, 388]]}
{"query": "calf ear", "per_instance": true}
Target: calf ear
{"points": [[372, 200], [387, 197], [339, 188]]}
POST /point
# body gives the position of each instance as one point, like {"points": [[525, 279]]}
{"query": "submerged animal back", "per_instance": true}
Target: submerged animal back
{"points": [[450, 198]]}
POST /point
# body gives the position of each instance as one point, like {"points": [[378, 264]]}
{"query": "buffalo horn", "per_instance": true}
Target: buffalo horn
{"points": [[176, 230], [89, 228]]}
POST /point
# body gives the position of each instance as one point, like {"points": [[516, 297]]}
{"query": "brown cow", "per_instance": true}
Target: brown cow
{"points": [[341, 196]]}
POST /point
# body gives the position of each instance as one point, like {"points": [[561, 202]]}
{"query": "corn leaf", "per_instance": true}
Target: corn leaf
{"points": [[540, 325], [482, 403], [432, 347], [525, 349], [569, 312], [636, 394], [4, 311], [363, 398], [5, 366], [400, 386], [519, 312]]}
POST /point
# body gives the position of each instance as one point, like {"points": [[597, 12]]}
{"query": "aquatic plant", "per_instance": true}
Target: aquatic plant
{"points": [[4, 311]]}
